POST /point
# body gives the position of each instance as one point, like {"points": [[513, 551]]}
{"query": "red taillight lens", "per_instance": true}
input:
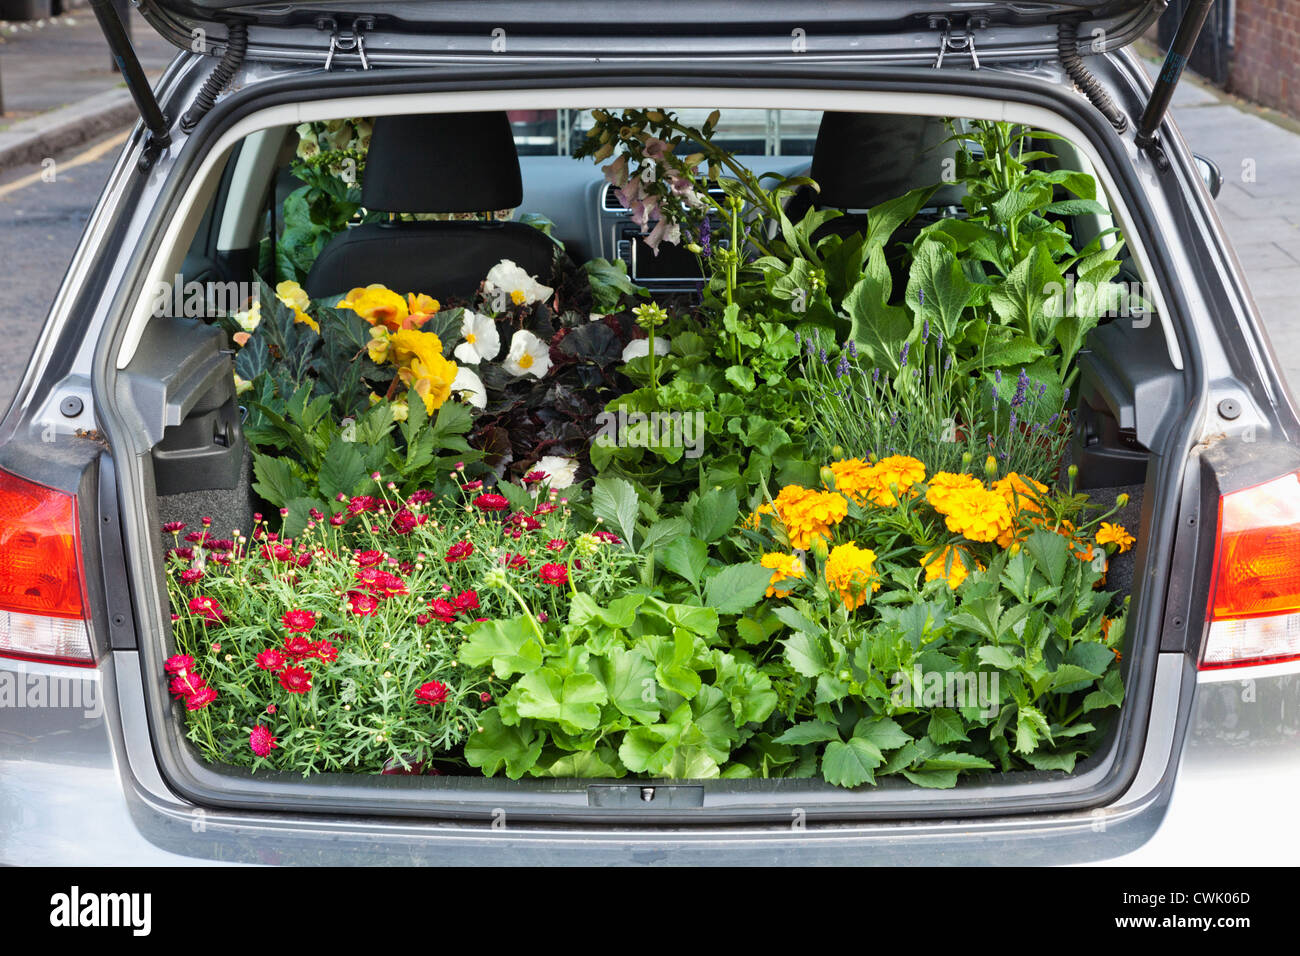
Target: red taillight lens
{"points": [[1255, 593], [41, 610]]}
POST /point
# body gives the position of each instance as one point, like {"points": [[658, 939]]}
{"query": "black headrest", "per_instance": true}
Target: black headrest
{"points": [[862, 159], [442, 162]]}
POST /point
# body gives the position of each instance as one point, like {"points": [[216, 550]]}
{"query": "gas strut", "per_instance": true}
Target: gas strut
{"points": [[155, 121], [1163, 90]]}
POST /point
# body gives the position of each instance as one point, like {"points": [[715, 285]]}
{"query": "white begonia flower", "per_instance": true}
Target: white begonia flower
{"points": [[482, 342], [528, 355], [560, 472], [249, 319], [516, 284], [640, 348], [468, 383]]}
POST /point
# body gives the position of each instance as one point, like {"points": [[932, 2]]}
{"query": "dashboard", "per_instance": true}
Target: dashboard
{"points": [[590, 222]]}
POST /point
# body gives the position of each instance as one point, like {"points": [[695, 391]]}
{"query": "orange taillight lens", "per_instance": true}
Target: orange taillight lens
{"points": [[1256, 586], [42, 613]]}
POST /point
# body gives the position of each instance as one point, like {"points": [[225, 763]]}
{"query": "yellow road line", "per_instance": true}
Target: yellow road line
{"points": [[88, 156]]}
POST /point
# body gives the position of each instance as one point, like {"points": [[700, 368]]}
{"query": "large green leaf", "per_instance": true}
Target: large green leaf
{"points": [[937, 289], [614, 500], [737, 587], [851, 763], [496, 745], [570, 700]]}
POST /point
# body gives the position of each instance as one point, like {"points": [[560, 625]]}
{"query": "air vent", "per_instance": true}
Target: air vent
{"points": [[609, 200]]}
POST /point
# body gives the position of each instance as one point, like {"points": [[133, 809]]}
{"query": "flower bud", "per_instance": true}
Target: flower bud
{"points": [[819, 548], [991, 466], [828, 477], [1121, 501], [837, 452]]}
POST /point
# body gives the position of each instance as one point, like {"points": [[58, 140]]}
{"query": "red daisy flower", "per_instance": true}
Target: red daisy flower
{"points": [[432, 693], [183, 685], [472, 485], [174, 527], [185, 554], [327, 652], [422, 496], [459, 551], [362, 604], [339, 519], [491, 502], [299, 647], [272, 660], [544, 508], [208, 609], [262, 741], [380, 583], [607, 536], [556, 544], [369, 559], [405, 521], [361, 503], [466, 601], [534, 476], [443, 610], [296, 680], [513, 560], [422, 619], [298, 622], [554, 574], [178, 664], [200, 699]]}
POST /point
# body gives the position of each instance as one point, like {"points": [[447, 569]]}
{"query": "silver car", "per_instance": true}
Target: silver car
{"points": [[127, 415]]}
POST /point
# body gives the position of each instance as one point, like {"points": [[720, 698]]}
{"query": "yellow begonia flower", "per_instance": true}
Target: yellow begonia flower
{"points": [[784, 567], [378, 346], [421, 304], [431, 382], [851, 573], [293, 295], [377, 304]]}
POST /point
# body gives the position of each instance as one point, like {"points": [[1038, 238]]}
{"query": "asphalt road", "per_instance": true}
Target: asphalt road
{"points": [[40, 226]]}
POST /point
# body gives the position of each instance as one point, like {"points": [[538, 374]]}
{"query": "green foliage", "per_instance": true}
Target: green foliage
{"points": [[639, 685]]}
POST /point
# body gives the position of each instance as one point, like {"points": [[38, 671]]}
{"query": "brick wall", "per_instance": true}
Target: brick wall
{"points": [[1265, 63]]}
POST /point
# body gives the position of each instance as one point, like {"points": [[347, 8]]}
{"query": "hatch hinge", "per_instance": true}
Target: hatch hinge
{"points": [[958, 36], [352, 40]]}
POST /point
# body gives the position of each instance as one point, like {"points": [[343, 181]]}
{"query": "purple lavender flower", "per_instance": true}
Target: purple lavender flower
{"points": [[798, 340], [706, 231], [940, 342], [947, 362], [1052, 420], [1013, 418], [822, 355], [925, 331], [997, 375], [1065, 396], [875, 374], [1022, 386], [853, 349], [902, 356], [842, 368]]}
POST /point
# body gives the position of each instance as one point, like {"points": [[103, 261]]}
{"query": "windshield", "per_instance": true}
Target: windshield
{"points": [[743, 131]]}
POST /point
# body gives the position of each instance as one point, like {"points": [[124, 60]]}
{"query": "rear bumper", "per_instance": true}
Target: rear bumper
{"points": [[75, 789]]}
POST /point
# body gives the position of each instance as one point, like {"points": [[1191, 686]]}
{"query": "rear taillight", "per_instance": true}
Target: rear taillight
{"points": [[42, 614], [1254, 607]]}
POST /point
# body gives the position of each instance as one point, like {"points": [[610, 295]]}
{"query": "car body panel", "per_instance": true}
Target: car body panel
{"points": [[139, 816]]}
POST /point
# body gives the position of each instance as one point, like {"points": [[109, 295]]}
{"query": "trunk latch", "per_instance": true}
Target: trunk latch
{"points": [[346, 41], [957, 38]]}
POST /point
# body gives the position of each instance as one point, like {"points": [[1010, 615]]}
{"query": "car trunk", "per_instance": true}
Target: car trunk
{"points": [[174, 383]]}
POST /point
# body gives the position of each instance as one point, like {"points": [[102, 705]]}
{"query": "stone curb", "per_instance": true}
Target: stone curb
{"points": [[29, 141]]}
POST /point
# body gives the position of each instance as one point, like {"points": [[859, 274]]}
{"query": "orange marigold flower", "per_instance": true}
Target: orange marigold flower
{"points": [[808, 515], [853, 477], [851, 572], [1115, 534], [944, 485], [938, 568], [784, 567], [895, 473], [977, 514]]}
